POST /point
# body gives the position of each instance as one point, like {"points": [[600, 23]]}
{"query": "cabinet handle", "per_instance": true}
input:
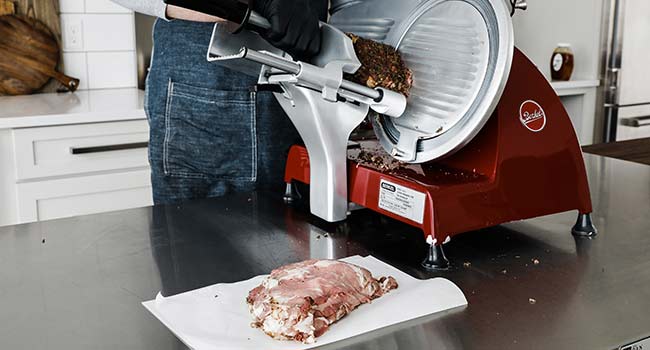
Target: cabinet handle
{"points": [[108, 148], [636, 122]]}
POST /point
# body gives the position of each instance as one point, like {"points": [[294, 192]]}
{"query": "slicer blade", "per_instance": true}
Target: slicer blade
{"points": [[460, 52]]}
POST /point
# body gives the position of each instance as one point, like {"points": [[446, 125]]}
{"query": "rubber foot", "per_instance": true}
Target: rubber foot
{"points": [[288, 194], [584, 227], [436, 259]]}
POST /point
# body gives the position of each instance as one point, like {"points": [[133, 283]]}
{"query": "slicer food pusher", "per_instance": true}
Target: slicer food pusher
{"points": [[324, 107]]}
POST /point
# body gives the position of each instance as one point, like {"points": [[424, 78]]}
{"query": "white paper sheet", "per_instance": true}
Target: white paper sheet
{"points": [[217, 317]]}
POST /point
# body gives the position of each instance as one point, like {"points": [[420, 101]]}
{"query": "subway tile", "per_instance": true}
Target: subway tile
{"points": [[108, 32], [74, 65], [111, 70], [71, 6], [104, 6]]}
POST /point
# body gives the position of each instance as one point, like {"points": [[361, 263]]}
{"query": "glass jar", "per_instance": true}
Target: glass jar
{"points": [[562, 62]]}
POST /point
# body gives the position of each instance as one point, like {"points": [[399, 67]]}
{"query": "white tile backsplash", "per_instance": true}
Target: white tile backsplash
{"points": [[107, 70], [99, 43], [104, 6], [72, 32], [76, 66], [108, 32], [71, 6]]}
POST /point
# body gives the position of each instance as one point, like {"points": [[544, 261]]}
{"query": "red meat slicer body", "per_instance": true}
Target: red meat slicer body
{"points": [[526, 162]]}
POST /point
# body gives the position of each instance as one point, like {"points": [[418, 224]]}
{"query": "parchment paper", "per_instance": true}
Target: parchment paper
{"points": [[217, 317]]}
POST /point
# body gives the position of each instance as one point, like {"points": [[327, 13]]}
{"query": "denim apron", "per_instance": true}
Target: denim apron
{"points": [[211, 131]]}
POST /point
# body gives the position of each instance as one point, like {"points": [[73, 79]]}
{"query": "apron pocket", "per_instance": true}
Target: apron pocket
{"points": [[210, 133]]}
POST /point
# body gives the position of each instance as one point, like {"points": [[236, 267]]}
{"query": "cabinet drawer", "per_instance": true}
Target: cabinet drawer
{"points": [[79, 149], [52, 199]]}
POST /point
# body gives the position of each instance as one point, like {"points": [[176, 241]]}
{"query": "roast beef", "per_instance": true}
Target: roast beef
{"points": [[381, 66], [300, 301]]}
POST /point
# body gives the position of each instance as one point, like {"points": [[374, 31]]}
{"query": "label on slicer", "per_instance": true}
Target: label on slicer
{"points": [[402, 201]]}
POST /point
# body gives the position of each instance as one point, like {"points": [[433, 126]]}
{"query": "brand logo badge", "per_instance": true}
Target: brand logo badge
{"points": [[388, 187], [532, 116]]}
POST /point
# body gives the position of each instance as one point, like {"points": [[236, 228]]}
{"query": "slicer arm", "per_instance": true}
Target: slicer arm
{"points": [[323, 106], [329, 80]]}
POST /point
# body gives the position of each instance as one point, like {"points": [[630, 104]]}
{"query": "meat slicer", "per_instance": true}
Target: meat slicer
{"points": [[482, 139]]}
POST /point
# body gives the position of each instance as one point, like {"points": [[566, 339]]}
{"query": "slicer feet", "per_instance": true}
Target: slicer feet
{"points": [[584, 227], [436, 259], [288, 193]]}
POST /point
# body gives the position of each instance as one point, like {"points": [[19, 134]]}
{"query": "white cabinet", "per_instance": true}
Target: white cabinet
{"points": [[64, 155], [70, 170], [579, 100], [52, 199], [77, 149]]}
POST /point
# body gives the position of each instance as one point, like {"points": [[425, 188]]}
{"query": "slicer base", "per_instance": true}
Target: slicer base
{"points": [[436, 259], [584, 227]]}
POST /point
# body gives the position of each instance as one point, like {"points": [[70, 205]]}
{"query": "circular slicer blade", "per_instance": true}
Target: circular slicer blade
{"points": [[460, 52]]}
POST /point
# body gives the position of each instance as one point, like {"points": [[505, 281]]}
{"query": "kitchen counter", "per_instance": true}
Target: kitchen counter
{"points": [[86, 106], [78, 283], [573, 87]]}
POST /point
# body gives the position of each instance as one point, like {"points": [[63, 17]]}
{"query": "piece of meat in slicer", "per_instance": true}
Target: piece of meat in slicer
{"points": [[381, 66], [300, 301]]}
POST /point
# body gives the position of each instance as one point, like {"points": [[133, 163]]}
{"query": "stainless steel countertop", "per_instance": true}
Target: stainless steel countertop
{"points": [[78, 283]]}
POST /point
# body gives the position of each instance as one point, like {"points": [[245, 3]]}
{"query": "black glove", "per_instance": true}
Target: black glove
{"points": [[294, 26]]}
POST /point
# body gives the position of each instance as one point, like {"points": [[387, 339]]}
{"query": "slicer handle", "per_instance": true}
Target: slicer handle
{"points": [[296, 68], [257, 20]]}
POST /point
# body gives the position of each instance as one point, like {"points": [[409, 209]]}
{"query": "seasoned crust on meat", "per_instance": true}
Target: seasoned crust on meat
{"points": [[381, 66], [300, 301]]}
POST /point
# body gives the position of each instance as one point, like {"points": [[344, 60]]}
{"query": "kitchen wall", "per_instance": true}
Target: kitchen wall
{"points": [[99, 43], [546, 23]]}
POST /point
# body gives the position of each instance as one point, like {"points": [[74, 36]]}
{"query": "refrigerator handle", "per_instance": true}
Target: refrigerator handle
{"points": [[636, 122]]}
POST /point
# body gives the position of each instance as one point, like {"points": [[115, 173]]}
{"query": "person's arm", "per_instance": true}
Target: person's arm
{"points": [[189, 15], [158, 8], [294, 25]]}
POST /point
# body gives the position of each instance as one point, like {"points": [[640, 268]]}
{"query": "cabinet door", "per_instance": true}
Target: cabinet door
{"points": [[52, 199]]}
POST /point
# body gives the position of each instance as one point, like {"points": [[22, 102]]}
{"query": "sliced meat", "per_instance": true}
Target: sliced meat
{"points": [[300, 301]]}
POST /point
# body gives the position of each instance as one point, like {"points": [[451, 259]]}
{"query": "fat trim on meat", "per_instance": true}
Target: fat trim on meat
{"points": [[300, 301]]}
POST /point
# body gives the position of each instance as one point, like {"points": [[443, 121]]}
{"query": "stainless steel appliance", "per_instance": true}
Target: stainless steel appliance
{"points": [[483, 138], [626, 54]]}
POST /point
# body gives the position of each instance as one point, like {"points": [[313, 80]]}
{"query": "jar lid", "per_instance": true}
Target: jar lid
{"points": [[563, 45]]}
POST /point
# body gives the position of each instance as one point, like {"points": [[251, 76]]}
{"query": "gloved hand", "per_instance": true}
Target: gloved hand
{"points": [[294, 26]]}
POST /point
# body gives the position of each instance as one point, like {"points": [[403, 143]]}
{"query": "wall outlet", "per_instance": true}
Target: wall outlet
{"points": [[72, 34]]}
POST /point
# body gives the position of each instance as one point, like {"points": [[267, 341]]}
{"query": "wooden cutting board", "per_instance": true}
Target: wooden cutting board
{"points": [[46, 11]]}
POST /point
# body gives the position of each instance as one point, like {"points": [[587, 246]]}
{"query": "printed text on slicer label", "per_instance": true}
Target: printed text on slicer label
{"points": [[402, 201]]}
